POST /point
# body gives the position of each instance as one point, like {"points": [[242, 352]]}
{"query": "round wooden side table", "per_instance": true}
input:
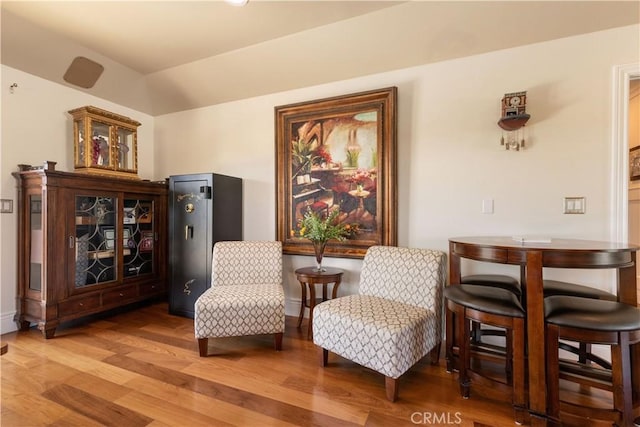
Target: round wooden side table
{"points": [[309, 276]]}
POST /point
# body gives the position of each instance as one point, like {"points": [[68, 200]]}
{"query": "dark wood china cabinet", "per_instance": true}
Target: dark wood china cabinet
{"points": [[86, 243]]}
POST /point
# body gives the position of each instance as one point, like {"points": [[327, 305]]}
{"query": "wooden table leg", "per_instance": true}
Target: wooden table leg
{"points": [[312, 304], [303, 302], [455, 276], [334, 291], [535, 337]]}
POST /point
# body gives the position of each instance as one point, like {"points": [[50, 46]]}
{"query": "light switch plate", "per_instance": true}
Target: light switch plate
{"points": [[574, 205], [487, 206], [6, 206]]}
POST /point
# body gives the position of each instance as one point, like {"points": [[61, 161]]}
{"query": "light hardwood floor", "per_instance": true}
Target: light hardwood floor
{"points": [[141, 368]]}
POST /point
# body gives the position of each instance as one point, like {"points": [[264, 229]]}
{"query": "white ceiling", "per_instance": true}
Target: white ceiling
{"points": [[167, 56]]}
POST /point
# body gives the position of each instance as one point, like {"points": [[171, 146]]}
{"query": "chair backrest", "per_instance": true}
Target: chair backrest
{"points": [[411, 276], [246, 263]]}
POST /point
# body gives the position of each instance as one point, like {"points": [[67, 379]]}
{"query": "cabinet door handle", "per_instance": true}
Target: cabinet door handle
{"points": [[72, 242], [188, 232]]}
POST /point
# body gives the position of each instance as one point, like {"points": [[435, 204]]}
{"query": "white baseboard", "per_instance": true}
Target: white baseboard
{"points": [[7, 324], [292, 307]]}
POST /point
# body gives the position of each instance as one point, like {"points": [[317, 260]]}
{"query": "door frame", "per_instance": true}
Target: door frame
{"points": [[622, 75]]}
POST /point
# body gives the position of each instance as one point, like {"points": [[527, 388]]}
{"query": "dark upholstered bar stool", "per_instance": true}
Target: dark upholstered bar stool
{"points": [[555, 287], [551, 287], [593, 321], [496, 280], [497, 307]]}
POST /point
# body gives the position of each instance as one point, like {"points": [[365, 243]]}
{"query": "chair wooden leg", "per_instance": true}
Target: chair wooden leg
{"points": [[203, 346], [463, 330], [553, 372], [323, 356], [449, 339], [518, 372], [508, 366], [391, 387], [434, 354], [635, 378], [476, 332], [278, 339], [583, 350], [622, 391]]}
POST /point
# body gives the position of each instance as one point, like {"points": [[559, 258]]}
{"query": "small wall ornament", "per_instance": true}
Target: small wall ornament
{"points": [[513, 119]]}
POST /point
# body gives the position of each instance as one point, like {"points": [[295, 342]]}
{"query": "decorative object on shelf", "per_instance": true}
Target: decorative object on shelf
{"points": [[319, 144], [319, 231], [129, 216], [145, 213], [104, 142], [146, 241], [513, 119]]}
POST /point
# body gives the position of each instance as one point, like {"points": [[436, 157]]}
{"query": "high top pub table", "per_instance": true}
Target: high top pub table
{"points": [[532, 257]]}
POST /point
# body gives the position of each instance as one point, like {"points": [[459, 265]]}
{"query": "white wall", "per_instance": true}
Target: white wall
{"points": [[35, 128], [449, 157], [448, 145]]}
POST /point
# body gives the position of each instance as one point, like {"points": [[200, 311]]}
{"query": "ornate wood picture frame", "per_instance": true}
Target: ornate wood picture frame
{"points": [[338, 154]]}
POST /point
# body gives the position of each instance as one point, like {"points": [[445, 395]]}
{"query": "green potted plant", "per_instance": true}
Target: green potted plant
{"points": [[320, 230]]}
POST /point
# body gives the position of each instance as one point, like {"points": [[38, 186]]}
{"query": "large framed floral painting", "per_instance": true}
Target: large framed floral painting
{"points": [[338, 155]]}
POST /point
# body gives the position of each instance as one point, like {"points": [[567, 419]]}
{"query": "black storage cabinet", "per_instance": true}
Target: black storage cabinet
{"points": [[203, 209]]}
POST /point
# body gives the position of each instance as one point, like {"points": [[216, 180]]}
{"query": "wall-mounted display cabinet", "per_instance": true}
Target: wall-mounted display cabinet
{"points": [[104, 142], [86, 244]]}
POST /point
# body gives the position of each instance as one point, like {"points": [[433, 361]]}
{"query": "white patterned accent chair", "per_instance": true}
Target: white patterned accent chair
{"points": [[394, 321], [246, 295]]}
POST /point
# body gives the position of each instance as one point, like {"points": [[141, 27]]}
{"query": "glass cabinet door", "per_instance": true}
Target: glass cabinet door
{"points": [[96, 246], [127, 149], [36, 245], [139, 235]]}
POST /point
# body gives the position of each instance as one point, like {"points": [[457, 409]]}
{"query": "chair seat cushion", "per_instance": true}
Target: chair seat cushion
{"points": [[496, 280], [384, 335], [487, 299], [224, 311], [592, 314], [555, 287]]}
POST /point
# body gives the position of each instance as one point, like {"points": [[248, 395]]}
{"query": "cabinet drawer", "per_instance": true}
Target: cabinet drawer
{"points": [[151, 289], [76, 305], [117, 295]]}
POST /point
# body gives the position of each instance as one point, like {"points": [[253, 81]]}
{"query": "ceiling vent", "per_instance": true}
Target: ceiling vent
{"points": [[83, 72]]}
